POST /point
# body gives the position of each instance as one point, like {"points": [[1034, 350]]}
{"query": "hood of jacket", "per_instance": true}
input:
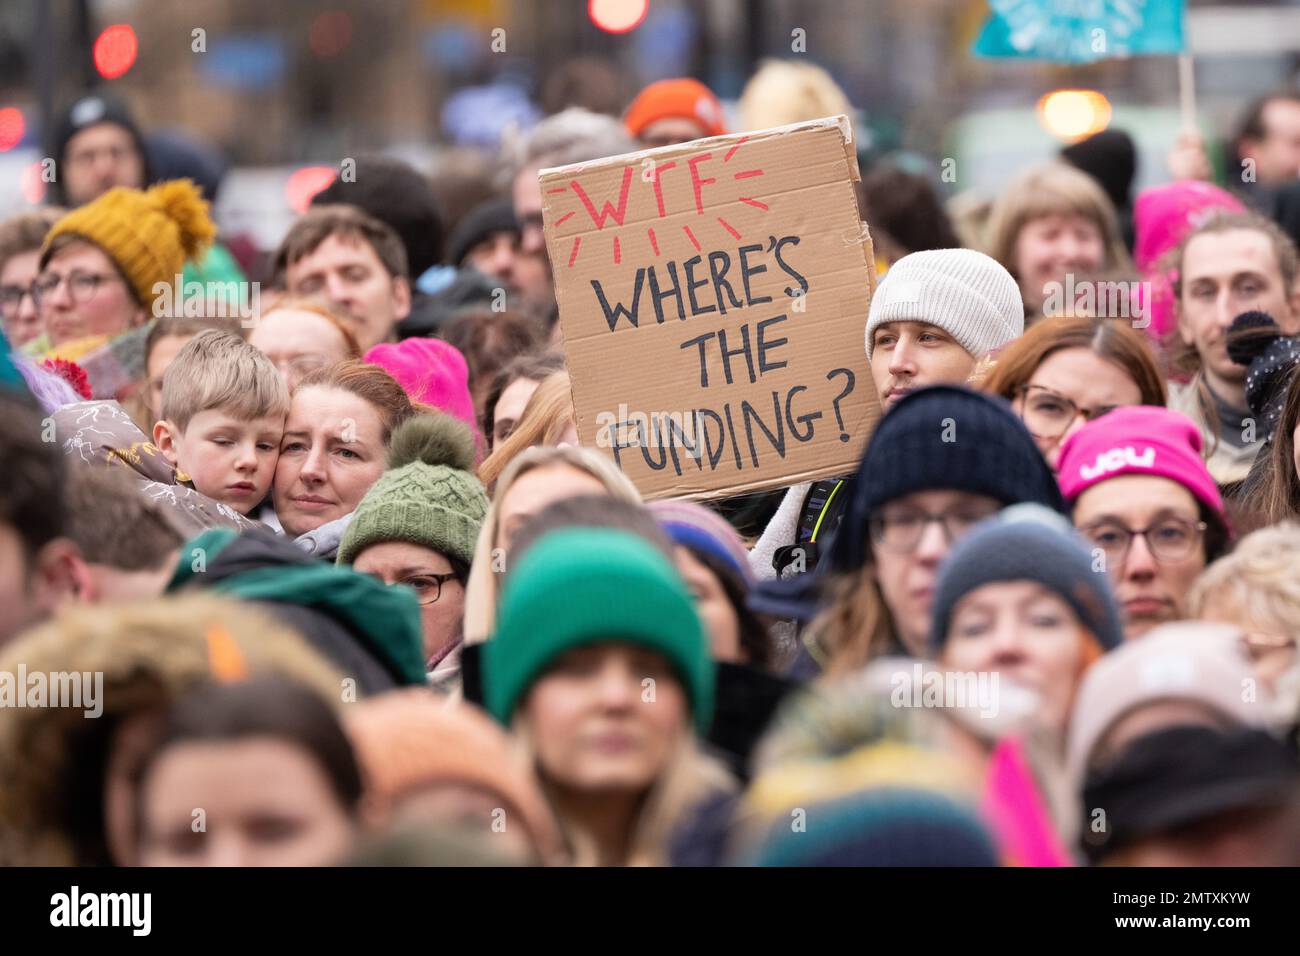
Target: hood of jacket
{"points": [[369, 630]]}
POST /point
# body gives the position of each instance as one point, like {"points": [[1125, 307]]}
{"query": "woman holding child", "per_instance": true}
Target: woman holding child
{"points": [[231, 430], [229, 434]]}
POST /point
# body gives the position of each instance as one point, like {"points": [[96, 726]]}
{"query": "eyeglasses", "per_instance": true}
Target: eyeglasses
{"points": [[1048, 415], [11, 299], [1172, 539], [901, 529], [82, 286], [427, 587]]}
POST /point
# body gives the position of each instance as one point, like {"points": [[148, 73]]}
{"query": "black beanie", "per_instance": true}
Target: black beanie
{"points": [[494, 215], [1110, 158], [398, 195], [945, 437], [90, 110], [1183, 775], [991, 454]]}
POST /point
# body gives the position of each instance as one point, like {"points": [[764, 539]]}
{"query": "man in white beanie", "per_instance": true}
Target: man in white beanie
{"points": [[933, 318], [935, 315]]}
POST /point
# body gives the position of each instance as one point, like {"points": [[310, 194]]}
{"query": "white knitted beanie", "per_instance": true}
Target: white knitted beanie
{"points": [[964, 292]]}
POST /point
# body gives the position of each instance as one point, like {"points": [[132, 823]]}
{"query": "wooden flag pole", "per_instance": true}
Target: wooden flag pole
{"points": [[1187, 91]]}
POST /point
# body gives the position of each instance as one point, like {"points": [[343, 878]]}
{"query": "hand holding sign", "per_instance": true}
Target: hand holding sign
{"points": [[713, 297]]}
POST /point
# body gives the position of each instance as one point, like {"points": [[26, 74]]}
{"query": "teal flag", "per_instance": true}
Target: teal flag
{"points": [[10, 377], [1081, 31]]}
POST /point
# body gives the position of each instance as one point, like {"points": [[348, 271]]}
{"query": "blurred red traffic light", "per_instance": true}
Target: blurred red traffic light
{"points": [[115, 51], [33, 184], [330, 33], [12, 125], [617, 16]]}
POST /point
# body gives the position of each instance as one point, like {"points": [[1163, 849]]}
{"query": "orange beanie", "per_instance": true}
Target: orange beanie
{"points": [[409, 739], [671, 99]]}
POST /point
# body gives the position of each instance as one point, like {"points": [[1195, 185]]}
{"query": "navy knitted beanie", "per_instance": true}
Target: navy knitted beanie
{"points": [[1028, 543], [943, 437]]}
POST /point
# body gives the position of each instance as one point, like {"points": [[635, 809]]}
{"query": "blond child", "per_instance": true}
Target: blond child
{"points": [[222, 416], [167, 337]]}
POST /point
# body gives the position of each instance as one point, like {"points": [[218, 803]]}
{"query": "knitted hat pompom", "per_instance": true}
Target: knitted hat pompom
{"points": [[428, 496], [1250, 335], [184, 205], [149, 234], [432, 440]]}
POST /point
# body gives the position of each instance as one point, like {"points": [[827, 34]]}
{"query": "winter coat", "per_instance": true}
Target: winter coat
{"points": [[745, 698], [444, 676], [1227, 464], [782, 530], [369, 631], [148, 655], [323, 542], [102, 434]]}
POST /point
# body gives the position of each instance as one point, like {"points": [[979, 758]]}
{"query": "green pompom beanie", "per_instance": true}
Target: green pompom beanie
{"points": [[579, 586], [428, 497]]}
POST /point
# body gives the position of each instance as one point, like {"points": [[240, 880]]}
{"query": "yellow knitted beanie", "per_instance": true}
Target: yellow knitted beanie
{"points": [[147, 233]]}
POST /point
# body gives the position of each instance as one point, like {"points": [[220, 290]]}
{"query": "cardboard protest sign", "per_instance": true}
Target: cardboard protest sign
{"points": [[713, 297]]}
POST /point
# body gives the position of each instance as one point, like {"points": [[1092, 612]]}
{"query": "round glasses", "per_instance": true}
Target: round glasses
{"points": [[1048, 415], [82, 286], [11, 299], [1170, 540], [427, 587], [901, 529]]}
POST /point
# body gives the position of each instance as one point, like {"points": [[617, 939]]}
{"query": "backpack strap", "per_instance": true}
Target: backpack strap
{"points": [[819, 516]]}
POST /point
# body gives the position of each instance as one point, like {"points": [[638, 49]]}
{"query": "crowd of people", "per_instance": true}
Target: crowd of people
{"points": [[309, 567]]}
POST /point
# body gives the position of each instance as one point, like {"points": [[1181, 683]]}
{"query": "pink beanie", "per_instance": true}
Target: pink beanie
{"points": [[1138, 440], [1162, 218], [430, 371], [1164, 215]]}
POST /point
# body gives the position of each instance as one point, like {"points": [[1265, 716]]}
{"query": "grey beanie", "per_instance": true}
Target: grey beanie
{"points": [[966, 293], [1028, 542]]}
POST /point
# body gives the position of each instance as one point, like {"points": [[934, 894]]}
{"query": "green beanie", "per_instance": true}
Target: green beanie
{"points": [[579, 586], [429, 495]]}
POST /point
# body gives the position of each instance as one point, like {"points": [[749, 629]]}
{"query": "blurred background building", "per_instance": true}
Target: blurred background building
{"points": [[272, 87]]}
